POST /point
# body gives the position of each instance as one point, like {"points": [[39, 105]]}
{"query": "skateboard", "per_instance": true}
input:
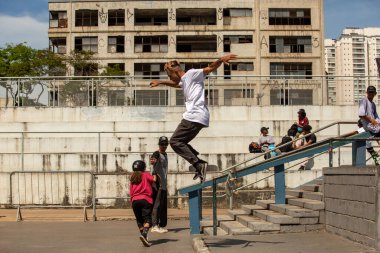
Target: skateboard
{"points": [[210, 167]]}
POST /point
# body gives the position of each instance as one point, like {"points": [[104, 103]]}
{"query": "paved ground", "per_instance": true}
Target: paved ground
{"points": [[311, 242]]}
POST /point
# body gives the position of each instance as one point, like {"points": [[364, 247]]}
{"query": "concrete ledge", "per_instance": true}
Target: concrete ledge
{"points": [[350, 170], [352, 236], [199, 245], [351, 192], [363, 180], [352, 208]]}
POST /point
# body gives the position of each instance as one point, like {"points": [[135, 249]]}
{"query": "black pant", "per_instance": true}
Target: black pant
{"points": [[185, 132], [160, 209], [143, 212]]}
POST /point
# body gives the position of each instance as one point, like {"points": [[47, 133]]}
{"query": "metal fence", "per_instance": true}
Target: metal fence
{"points": [[219, 90]]}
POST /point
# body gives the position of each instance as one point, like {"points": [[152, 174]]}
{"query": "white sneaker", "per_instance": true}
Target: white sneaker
{"points": [[155, 229], [163, 230]]}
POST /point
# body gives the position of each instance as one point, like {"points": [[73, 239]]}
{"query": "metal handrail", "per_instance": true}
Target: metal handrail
{"points": [[285, 144]]}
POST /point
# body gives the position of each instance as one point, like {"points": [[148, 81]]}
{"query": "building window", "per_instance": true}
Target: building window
{"points": [[151, 17], [290, 44], [292, 70], [116, 17], [289, 17], [237, 66], [151, 97], [57, 45], [116, 97], [196, 16], [116, 44], [58, 19], [151, 44], [90, 69], [235, 39], [291, 97], [150, 70], [86, 44], [193, 43], [86, 18], [237, 12], [237, 96], [211, 97]]}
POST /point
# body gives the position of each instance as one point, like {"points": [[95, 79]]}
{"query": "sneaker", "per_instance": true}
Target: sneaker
{"points": [[202, 170], [145, 241], [155, 229], [163, 230], [196, 176]]}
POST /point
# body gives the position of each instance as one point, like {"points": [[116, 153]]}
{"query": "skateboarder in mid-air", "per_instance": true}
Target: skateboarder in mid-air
{"points": [[196, 116]]}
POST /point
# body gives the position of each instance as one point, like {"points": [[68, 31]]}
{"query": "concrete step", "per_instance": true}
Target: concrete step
{"points": [[307, 203], [296, 193], [257, 224], [294, 211], [250, 208], [236, 228], [318, 181], [264, 203], [209, 231], [235, 212], [313, 195], [275, 217], [273, 197], [207, 221], [310, 187]]}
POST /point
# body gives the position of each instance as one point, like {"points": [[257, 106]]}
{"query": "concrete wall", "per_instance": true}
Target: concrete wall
{"points": [[352, 206], [224, 144]]}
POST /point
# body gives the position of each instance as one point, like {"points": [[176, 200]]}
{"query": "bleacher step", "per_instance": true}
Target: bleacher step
{"points": [[313, 195], [274, 217], [235, 212], [210, 231], [308, 204], [250, 208], [264, 203], [294, 211], [235, 228]]}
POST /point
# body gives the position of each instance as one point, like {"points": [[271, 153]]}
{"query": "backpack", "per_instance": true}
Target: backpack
{"points": [[288, 147], [254, 147]]}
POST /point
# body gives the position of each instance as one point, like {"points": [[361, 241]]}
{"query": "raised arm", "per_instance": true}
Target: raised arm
{"points": [[169, 83], [213, 66]]}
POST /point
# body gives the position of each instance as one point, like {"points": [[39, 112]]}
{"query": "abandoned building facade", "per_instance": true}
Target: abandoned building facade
{"points": [[281, 38]]}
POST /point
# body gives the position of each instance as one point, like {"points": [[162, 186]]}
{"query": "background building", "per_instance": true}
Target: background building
{"points": [[354, 55], [272, 38]]}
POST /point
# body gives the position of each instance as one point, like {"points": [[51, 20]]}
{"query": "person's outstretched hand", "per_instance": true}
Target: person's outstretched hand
{"points": [[154, 83], [229, 57]]}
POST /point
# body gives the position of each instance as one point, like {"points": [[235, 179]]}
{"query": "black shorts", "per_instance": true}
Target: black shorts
{"points": [[143, 212]]}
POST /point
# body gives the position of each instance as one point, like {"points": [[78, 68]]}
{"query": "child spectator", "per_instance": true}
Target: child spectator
{"points": [[141, 198], [302, 120]]}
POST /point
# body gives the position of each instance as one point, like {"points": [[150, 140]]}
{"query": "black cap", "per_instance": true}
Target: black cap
{"points": [[163, 140], [138, 165], [264, 128], [301, 111], [371, 89]]}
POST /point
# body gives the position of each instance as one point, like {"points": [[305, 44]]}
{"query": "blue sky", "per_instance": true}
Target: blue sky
{"points": [[27, 20]]}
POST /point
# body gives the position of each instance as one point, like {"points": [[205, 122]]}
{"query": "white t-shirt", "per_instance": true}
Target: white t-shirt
{"points": [[193, 90]]}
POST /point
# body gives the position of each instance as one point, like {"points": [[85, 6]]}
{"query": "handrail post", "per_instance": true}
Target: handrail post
{"points": [[358, 153], [339, 147], [194, 212], [330, 154], [214, 208], [22, 151], [279, 179], [232, 201]]}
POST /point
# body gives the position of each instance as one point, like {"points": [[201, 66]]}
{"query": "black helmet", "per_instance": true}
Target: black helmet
{"points": [[163, 140], [138, 165]]}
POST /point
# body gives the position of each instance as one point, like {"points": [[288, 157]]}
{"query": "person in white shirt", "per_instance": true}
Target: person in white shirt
{"points": [[197, 115]]}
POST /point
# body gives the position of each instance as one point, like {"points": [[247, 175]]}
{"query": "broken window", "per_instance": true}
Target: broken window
{"points": [[289, 17], [116, 44], [116, 17], [236, 96], [86, 44], [237, 66], [58, 19], [291, 97], [150, 70], [195, 65], [151, 44], [89, 69], [292, 70], [193, 43], [237, 12], [118, 66], [57, 45], [151, 17], [86, 18], [196, 16], [290, 44], [235, 39], [151, 97]]}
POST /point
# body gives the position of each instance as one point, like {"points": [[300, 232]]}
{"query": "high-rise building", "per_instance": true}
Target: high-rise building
{"points": [[355, 63], [281, 38]]}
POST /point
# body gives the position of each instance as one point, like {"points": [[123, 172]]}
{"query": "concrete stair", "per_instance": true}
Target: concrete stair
{"points": [[303, 211]]}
